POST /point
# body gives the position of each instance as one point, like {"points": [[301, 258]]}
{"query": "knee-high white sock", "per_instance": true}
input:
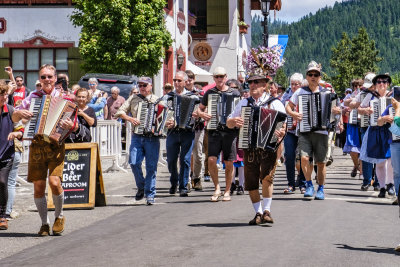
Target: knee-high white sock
{"points": [[241, 176], [267, 203], [258, 207], [41, 205], [58, 205]]}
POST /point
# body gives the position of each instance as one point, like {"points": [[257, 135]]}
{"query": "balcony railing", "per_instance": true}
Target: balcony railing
{"points": [[36, 2]]}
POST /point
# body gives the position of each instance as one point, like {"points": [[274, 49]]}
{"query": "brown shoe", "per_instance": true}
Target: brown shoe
{"points": [[44, 230], [266, 217], [3, 224], [256, 220], [197, 185], [58, 226]]}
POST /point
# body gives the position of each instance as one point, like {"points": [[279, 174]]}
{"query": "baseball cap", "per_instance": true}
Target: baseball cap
{"points": [[368, 80], [219, 71], [37, 82], [349, 90], [145, 79], [314, 66]]}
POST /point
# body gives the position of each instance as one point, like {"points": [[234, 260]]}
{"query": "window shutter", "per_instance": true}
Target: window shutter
{"points": [[217, 16], [4, 61]]}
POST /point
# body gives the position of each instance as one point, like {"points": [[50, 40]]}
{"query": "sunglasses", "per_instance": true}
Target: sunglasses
{"points": [[46, 76], [91, 84], [316, 75], [142, 85], [379, 82], [234, 87], [219, 76], [177, 80], [255, 82]]}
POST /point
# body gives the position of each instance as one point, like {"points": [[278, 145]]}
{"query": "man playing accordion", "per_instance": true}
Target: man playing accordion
{"points": [[45, 157], [259, 164], [142, 145]]}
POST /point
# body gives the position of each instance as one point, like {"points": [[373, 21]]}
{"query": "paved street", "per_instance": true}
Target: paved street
{"points": [[349, 228]]}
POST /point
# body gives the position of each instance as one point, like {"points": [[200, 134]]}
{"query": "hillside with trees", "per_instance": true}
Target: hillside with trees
{"points": [[314, 36]]}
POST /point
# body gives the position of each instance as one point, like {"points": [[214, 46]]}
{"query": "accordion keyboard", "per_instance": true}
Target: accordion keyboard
{"points": [[212, 110], [30, 127], [304, 108], [244, 133]]}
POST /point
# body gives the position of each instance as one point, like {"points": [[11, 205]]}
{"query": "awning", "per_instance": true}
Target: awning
{"points": [[201, 75]]}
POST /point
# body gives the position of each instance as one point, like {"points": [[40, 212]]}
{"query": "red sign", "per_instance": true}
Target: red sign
{"points": [[198, 63], [180, 21], [3, 25]]}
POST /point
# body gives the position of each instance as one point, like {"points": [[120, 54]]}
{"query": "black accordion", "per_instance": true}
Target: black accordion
{"points": [[317, 111], [220, 106], [258, 130], [183, 107], [152, 117]]}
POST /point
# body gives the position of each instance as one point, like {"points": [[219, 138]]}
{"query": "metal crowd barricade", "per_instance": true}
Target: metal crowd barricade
{"points": [[107, 134]]}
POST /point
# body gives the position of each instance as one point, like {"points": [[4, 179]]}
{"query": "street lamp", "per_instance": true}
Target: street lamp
{"points": [[265, 5]]}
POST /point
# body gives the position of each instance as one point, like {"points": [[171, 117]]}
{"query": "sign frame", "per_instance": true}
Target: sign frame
{"points": [[97, 196]]}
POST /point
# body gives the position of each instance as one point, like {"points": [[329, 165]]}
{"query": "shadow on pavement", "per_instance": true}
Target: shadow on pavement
{"points": [[18, 235], [370, 203], [218, 225], [346, 195], [370, 249]]}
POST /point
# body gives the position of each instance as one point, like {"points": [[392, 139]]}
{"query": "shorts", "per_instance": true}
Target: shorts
{"points": [[258, 165], [45, 158], [314, 145], [224, 141]]}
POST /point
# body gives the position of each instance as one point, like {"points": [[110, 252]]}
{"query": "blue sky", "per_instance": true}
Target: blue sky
{"points": [[293, 10]]}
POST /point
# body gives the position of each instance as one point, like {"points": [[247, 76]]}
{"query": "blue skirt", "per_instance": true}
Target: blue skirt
{"points": [[352, 139], [366, 150]]}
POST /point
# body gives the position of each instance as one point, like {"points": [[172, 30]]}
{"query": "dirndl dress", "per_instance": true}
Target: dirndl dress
{"points": [[353, 142]]}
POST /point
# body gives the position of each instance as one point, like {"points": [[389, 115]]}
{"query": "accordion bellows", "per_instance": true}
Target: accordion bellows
{"points": [[48, 111]]}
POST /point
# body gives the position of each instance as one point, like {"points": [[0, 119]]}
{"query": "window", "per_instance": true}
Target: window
{"points": [[27, 61], [212, 17]]}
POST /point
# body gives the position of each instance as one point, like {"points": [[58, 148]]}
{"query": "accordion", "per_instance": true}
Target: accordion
{"points": [[152, 117], [364, 119], [48, 111], [258, 130], [220, 106], [353, 117], [183, 106], [316, 109], [378, 105]]}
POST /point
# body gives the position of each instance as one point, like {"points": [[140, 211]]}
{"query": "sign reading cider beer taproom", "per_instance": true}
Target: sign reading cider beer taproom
{"points": [[82, 179]]}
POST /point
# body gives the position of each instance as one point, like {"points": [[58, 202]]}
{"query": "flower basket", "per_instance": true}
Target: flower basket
{"points": [[265, 60]]}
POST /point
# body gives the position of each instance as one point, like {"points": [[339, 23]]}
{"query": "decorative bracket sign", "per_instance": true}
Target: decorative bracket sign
{"points": [[3, 25], [181, 21], [202, 51]]}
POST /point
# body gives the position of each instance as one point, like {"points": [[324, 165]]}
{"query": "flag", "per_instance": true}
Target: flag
{"points": [[281, 40]]}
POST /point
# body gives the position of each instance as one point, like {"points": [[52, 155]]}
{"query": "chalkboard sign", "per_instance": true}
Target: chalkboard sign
{"points": [[82, 179]]}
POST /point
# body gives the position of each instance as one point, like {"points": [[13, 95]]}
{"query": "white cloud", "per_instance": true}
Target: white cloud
{"points": [[293, 10]]}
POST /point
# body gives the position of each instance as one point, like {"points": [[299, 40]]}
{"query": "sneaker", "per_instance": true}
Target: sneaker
{"points": [[365, 187], [207, 178], [330, 161], [58, 226], [382, 193], [8, 217], [183, 193], [240, 190], [44, 230], [172, 190], [309, 192], [3, 224], [320, 194], [14, 214], [390, 190], [397, 248], [354, 172], [197, 185], [377, 188], [266, 218], [257, 219], [150, 201], [139, 194], [233, 187]]}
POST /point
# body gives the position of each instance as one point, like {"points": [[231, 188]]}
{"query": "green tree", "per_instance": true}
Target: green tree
{"points": [[352, 59], [341, 63], [281, 78], [122, 36]]}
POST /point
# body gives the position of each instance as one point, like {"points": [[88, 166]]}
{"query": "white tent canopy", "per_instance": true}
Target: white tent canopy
{"points": [[201, 75]]}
